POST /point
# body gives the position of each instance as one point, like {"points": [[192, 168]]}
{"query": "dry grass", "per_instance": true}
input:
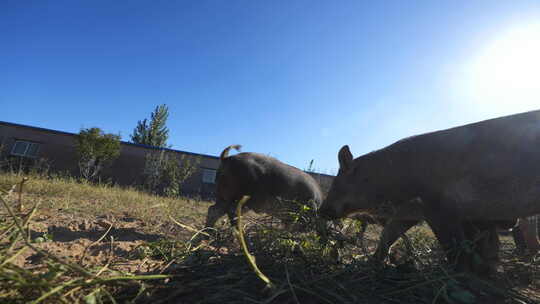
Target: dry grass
{"points": [[160, 263], [71, 196]]}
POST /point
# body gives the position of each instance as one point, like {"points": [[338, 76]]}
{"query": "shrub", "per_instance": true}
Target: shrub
{"points": [[165, 172]]}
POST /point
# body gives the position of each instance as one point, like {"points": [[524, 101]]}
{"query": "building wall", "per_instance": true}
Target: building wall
{"points": [[128, 167], [58, 148]]}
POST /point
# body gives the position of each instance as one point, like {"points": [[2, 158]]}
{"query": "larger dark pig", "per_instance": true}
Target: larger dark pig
{"points": [[270, 183], [460, 180]]}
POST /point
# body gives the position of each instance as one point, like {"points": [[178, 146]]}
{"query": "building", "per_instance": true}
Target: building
{"points": [[58, 149]]}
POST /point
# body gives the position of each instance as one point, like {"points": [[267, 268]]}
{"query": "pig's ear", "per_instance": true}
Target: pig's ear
{"points": [[345, 158]]}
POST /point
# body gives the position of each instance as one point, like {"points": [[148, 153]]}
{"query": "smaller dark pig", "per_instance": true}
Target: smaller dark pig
{"points": [[270, 183]]}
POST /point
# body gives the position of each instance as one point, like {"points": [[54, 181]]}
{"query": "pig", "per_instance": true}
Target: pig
{"points": [[271, 184], [462, 181]]}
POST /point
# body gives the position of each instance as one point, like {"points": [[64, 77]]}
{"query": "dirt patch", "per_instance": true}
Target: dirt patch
{"points": [[92, 242]]}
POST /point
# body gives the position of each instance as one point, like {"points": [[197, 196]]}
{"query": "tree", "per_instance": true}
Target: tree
{"points": [[165, 172], [96, 150], [153, 133]]}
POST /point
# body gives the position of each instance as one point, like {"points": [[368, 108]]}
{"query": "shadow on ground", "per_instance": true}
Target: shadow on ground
{"points": [[64, 234]]}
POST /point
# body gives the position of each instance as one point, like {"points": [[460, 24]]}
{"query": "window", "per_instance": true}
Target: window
{"points": [[25, 148], [208, 176]]}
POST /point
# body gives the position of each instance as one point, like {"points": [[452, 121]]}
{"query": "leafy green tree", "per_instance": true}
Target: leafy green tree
{"points": [[154, 132], [96, 151]]}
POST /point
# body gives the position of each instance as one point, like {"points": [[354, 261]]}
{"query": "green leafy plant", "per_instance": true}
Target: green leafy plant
{"points": [[45, 237], [96, 150], [166, 250]]}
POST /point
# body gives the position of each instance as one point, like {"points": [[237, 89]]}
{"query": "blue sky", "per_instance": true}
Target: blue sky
{"points": [[293, 79]]}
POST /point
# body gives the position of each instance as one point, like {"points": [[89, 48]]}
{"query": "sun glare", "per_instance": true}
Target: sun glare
{"points": [[506, 74]]}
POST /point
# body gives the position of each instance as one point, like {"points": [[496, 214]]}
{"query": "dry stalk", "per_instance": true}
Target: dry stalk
{"points": [[201, 231], [21, 207], [249, 257], [94, 243], [291, 287]]}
